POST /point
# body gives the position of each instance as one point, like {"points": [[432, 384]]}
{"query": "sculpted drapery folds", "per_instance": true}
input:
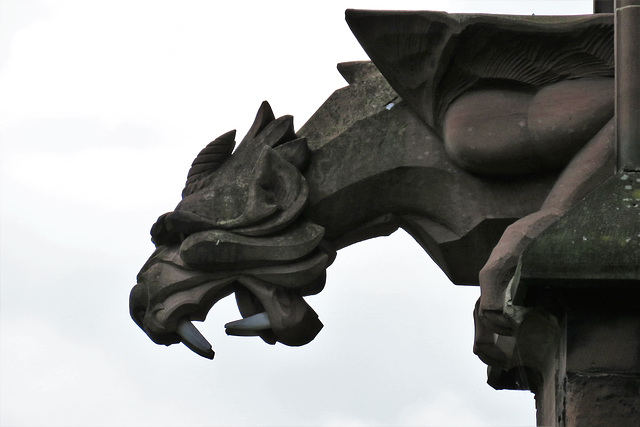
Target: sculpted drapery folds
{"points": [[477, 124]]}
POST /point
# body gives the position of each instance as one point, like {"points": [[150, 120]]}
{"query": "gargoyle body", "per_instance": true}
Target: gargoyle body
{"points": [[466, 136]]}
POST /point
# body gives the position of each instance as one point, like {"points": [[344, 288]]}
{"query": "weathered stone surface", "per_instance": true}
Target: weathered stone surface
{"points": [[489, 111], [367, 94], [594, 400], [392, 163], [596, 244], [368, 165], [584, 271]]}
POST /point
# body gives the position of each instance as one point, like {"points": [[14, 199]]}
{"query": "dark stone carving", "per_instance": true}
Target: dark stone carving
{"points": [[238, 228], [508, 94], [264, 222], [482, 136], [578, 282], [261, 221]]}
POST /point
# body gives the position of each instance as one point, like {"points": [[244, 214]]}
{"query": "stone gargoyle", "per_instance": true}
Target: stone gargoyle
{"points": [[472, 132]]}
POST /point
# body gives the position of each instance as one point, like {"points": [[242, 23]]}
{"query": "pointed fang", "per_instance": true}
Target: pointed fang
{"points": [[192, 338], [248, 326]]}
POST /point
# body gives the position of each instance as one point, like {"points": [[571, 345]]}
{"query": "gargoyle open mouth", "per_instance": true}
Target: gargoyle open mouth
{"points": [[239, 228], [270, 279]]}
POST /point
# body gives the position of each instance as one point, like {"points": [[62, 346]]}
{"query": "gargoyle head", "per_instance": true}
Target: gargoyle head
{"points": [[239, 228]]}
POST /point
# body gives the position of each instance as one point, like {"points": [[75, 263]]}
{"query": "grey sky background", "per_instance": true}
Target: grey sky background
{"points": [[103, 106]]}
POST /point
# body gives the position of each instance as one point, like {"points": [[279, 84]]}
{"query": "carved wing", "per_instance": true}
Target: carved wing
{"points": [[431, 58]]}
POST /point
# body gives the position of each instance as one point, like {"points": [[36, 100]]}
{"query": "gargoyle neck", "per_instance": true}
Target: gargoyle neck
{"points": [[390, 170]]}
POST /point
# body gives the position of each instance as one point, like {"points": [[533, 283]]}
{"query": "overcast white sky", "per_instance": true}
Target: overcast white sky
{"points": [[103, 106]]}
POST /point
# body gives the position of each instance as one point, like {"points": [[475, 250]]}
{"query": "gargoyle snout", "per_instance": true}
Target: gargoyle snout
{"points": [[185, 331], [138, 307], [137, 304]]}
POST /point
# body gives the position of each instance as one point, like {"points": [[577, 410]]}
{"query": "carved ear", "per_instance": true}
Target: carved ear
{"points": [[210, 159], [277, 195], [277, 132], [266, 130], [263, 118], [295, 152]]}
